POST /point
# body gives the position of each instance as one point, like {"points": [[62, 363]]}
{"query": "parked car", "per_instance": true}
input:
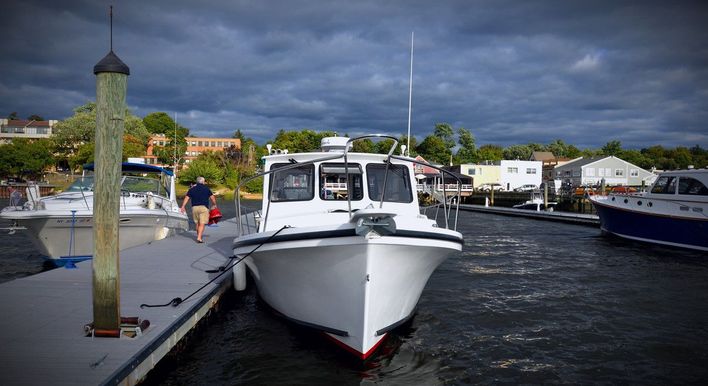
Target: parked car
{"points": [[526, 188], [489, 187]]}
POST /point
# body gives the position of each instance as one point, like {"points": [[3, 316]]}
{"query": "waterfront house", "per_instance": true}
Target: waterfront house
{"points": [[20, 128], [515, 173], [483, 173], [591, 171]]}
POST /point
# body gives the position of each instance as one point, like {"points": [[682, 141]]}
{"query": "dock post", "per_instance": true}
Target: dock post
{"points": [[491, 195], [111, 84], [545, 196]]}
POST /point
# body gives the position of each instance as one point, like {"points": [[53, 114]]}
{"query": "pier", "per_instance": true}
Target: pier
{"points": [[42, 328], [574, 218]]}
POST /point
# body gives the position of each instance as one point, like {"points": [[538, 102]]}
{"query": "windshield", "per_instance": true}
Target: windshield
{"points": [[81, 183], [398, 187], [132, 184]]}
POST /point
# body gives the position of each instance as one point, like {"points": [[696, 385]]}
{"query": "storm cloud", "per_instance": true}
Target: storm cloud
{"points": [[511, 72]]}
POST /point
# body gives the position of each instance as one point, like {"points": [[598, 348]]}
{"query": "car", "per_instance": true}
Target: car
{"points": [[526, 188], [489, 187]]}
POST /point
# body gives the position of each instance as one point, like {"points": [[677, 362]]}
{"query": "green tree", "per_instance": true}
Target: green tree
{"points": [[161, 123], [467, 153], [434, 150], [78, 131], [206, 167], [25, 158], [12, 116], [445, 132], [35, 117], [490, 153], [302, 141], [612, 148], [521, 152]]}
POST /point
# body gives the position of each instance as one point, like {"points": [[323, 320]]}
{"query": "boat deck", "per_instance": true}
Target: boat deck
{"points": [[42, 337], [574, 218]]}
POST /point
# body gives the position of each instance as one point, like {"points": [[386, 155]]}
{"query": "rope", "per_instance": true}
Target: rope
{"points": [[177, 301]]}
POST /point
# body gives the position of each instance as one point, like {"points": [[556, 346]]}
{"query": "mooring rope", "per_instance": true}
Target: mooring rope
{"points": [[177, 301]]}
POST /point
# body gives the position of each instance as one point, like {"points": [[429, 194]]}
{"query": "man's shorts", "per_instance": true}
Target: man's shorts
{"points": [[200, 213]]}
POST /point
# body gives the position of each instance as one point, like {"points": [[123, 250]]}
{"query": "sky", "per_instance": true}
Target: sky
{"points": [[511, 72]]}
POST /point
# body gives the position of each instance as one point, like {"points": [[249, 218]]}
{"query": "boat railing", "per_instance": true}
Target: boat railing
{"points": [[390, 156]]}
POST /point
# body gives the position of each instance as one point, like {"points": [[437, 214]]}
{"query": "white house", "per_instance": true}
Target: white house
{"points": [[591, 171], [513, 174]]}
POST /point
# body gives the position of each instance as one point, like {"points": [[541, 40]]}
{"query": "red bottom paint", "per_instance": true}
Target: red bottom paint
{"points": [[362, 356]]}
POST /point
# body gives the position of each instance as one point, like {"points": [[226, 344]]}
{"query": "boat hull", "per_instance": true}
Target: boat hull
{"points": [[61, 237], [354, 288], [685, 232]]}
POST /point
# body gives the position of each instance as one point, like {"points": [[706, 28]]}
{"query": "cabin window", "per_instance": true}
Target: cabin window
{"points": [[398, 184], [692, 186], [296, 184], [334, 184], [664, 185]]}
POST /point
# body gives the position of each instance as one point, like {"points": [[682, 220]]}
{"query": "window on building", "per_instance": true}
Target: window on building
{"points": [[692, 186], [194, 143], [590, 172], [512, 170], [471, 171], [200, 143], [296, 184], [213, 143], [530, 171], [619, 172], [633, 172]]}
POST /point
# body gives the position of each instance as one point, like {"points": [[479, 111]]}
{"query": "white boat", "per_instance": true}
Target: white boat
{"points": [[673, 212], [536, 203], [61, 226], [351, 264]]}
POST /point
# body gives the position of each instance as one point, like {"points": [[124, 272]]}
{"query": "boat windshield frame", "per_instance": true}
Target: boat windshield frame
{"points": [[344, 155]]}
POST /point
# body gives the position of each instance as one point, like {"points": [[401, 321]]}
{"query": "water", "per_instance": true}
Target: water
{"points": [[525, 302]]}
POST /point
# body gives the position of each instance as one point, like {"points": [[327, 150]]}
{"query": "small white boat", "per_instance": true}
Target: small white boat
{"points": [[536, 203], [351, 264], [673, 212], [61, 226]]}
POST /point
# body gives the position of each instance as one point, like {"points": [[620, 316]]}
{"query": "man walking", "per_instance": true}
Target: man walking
{"points": [[200, 195]]}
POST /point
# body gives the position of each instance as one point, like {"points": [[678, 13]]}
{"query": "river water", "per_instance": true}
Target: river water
{"points": [[526, 301]]}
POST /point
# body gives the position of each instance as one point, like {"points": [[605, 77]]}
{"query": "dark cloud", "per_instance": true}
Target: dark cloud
{"points": [[510, 71]]}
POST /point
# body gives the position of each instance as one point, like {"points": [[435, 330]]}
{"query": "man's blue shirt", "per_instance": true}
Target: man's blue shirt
{"points": [[199, 194]]}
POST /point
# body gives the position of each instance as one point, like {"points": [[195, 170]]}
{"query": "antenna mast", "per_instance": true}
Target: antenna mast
{"points": [[111, 17], [174, 158], [410, 99]]}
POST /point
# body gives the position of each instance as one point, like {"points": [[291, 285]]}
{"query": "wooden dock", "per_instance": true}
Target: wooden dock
{"points": [[573, 218], [42, 339]]}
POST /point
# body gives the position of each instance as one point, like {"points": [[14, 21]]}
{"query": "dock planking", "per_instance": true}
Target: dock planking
{"points": [[42, 337]]}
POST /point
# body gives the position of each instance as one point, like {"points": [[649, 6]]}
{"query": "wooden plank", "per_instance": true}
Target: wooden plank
{"points": [[43, 315]]}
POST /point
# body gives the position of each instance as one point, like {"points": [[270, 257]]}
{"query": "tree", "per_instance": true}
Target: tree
{"points": [[491, 153], [305, 140], [24, 158], [434, 149], [161, 123], [35, 117], [78, 131], [520, 152], [445, 132], [612, 148], [12, 116], [468, 149]]}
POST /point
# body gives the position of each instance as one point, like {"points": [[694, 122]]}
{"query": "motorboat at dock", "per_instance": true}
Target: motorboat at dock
{"points": [[61, 226], [537, 203], [353, 264], [673, 212]]}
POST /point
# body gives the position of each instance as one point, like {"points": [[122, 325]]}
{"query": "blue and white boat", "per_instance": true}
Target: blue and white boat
{"points": [[61, 226], [673, 212]]}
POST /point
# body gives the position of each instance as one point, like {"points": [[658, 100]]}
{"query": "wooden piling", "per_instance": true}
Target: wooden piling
{"points": [[111, 84], [545, 196]]}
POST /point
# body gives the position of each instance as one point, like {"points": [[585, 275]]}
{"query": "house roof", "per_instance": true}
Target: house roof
{"points": [[542, 156], [26, 123]]}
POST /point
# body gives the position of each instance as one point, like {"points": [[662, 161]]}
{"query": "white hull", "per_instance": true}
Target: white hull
{"points": [[55, 236], [354, 288]]}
